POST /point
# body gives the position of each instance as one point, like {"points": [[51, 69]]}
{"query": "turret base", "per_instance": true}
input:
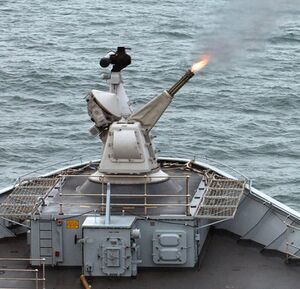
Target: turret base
{"points": [[150, 178]]}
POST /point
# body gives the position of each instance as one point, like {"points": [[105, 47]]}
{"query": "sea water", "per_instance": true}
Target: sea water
{"points": [[241, 111]]}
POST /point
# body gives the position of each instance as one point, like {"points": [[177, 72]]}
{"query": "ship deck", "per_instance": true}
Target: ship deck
{"points": [[226, 264], [226, 261], [79, 194], [76, 191]]}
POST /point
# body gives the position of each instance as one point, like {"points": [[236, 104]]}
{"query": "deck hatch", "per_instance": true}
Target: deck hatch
{"points": [[220, 198]]}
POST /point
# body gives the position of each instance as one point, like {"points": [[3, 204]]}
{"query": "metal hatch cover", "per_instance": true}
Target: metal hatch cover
{"points": [[220, 198]]}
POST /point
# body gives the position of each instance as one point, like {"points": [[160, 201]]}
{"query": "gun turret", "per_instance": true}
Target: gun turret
{"points": [[128, 148]]}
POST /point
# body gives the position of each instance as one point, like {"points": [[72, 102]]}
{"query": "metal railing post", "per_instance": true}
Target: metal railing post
{"points": [[102, 194], [107, 208], [44, 273], [61, 204], [61, 201], [187, 198], [145, 195], [36, 279]]}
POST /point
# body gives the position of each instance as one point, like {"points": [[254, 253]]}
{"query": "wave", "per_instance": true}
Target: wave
{"points": [[289, 38]]}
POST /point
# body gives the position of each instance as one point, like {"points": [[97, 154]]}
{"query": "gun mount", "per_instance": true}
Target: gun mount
{"points": [[128, 147]]}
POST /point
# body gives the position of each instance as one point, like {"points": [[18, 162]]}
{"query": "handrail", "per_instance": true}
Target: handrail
{"points": [[145, 196], [48, 166], [129, 204], [37, 278], [291, 226], [127, 176], [183, 199], [123, 195], [204, 157]]}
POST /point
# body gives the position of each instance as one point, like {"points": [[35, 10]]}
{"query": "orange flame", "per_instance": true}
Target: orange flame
{"points": [[200, 64]]}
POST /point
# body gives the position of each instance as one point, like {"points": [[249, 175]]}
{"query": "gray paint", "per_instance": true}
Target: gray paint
{"points": [[259, 218], [108, 249]]}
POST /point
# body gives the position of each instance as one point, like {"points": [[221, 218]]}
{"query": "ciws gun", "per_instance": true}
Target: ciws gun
{"points": [[128, 147]]}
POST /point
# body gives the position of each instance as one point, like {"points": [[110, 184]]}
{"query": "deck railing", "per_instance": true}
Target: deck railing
{"points": [[146, 198], [173, 200], [31, 275]]}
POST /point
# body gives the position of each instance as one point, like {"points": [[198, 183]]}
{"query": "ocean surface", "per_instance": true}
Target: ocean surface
{"points": [[241, 111]]}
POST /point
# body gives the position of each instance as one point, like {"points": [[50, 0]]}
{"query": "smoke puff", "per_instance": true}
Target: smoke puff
{"points": [[243, 25]]}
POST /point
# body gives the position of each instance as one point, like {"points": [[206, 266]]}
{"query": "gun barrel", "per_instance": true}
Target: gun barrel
{"points": [[151, 112], [181, 82]]}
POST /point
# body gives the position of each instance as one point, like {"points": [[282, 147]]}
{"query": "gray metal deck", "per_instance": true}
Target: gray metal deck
{"points": [[78, 195], [226, 264]]}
